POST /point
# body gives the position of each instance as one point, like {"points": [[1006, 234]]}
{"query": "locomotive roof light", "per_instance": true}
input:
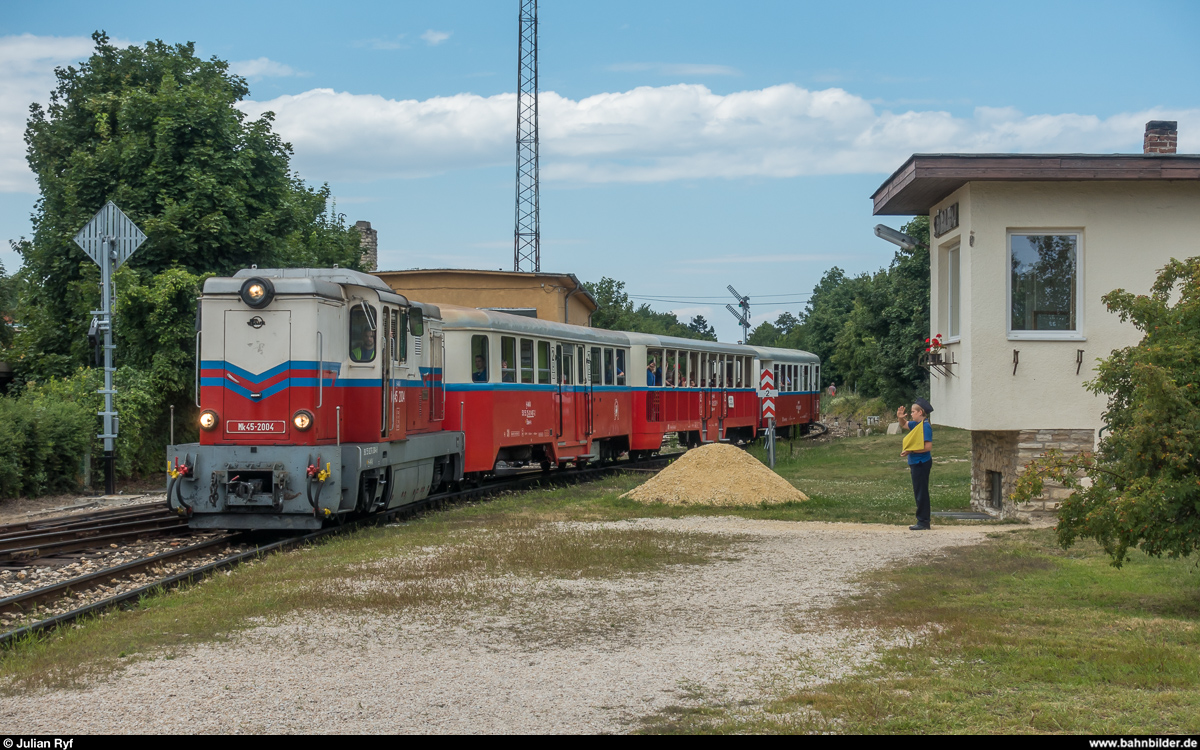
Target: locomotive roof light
{"points": [[302, 419], [257, 292], [209, 420]]}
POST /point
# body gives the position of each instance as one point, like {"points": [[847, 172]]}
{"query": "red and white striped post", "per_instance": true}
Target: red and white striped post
{"points": [[767, 392]]}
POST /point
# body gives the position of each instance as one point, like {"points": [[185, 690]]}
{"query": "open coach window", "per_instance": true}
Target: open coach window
{"points": [[362, 334], [479, 359]]}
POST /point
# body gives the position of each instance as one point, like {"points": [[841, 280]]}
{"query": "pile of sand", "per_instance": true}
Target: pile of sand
{"points": [[716, 474]]}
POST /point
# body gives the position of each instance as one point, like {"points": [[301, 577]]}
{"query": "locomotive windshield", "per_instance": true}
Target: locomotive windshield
{"points": [[362, 338]]}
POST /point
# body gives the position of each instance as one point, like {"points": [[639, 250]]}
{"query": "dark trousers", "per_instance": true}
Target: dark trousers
{"points": [[920, 479]]}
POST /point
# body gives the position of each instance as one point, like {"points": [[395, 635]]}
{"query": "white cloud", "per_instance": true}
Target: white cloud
{"points": [[680, 132], [435, 38], [262, 67], [675, 69], [27, 65]]}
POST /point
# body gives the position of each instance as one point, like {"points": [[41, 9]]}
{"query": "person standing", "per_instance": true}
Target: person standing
{"points": [[918, 449], [833, 390]]}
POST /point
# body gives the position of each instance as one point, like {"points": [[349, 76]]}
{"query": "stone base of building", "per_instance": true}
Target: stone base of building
{"points": [[998, 457]]}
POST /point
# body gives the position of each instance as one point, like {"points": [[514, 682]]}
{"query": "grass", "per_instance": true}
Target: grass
{"points": [[1020, 637], [855, 479], [476, 554]]}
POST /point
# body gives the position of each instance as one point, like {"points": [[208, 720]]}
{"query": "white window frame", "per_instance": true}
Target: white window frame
{"points": [[954, 293], [1077, 334]]}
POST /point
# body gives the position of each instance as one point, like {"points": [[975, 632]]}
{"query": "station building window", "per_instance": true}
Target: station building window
{"points": [[508, 359], [1043, 285], [479, 359], [362, 334]]}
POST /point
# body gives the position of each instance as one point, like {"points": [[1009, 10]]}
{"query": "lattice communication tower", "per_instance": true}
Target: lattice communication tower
{"points": [[527, 254]]}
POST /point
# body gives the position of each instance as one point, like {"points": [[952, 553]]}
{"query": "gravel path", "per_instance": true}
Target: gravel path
{"points": [[568, 656]]}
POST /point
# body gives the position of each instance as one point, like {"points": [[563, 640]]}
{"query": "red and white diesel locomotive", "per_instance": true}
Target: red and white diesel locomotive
{"points": [[323, 394]]}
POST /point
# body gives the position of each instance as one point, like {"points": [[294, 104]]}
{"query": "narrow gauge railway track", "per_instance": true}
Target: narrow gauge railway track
{"points": [[31, 540], [23, 602]]}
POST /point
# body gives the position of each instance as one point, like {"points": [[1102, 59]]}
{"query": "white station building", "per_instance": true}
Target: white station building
{"points": [[1023, 247]]}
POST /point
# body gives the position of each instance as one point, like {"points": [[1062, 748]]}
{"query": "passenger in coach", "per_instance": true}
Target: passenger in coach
{"points": [[653, 373], [480, 374]]}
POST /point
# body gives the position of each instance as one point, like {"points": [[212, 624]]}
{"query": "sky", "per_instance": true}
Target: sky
{"points": [[685, 146]]}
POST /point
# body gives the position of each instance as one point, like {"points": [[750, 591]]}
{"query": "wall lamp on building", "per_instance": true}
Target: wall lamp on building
{"points": [[897, 238]]}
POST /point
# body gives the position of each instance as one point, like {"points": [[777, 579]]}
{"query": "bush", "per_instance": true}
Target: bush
{"points": [[45, 442], [50, 426], [857, 407]]}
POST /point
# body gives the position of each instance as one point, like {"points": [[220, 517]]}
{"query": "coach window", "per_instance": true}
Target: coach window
{"points": [[526, 361], [594, 362], [508, 359], [362, 335], [620, 367], [479, 359], [565, 359], [580, 365], [655, 359], [543, 354], [610, 374]]}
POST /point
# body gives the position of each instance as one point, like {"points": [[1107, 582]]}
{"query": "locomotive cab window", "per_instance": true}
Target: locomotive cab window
{"points": [[508, 359], [620, 367], [397, 335], [362, 335], [479, 359], [416, 323]]}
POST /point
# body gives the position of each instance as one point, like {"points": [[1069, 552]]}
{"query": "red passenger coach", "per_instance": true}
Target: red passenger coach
{"points": [[529, 391], [797, 376], [703, 390]]}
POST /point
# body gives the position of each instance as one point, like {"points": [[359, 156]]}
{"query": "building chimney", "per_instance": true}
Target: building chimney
{"points": [[1162, 137], [370, 244]]}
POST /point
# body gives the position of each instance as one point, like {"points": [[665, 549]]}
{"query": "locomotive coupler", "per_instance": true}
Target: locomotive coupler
{"points": [[180, 472]]}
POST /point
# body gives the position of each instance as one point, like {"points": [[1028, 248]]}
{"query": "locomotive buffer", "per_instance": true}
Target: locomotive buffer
{"points": [[108, 239]]}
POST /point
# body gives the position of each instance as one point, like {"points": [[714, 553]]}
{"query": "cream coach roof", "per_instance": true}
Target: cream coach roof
{"points": [[469, 318], [774, 354]]}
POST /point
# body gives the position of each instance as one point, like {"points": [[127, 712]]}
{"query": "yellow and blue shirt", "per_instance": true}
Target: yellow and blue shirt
{"points": [[918, 458]]}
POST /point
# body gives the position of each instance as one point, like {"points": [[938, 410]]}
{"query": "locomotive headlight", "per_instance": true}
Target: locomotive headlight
{"points": [[257, 292], [303, 420], [208, 420]]}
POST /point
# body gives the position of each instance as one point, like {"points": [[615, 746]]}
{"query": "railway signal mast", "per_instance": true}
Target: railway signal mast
{"points": [[742, 313], [527, 253], [108, 239]]}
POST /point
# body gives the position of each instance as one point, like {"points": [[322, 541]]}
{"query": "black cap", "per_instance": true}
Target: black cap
{"points": [[925, 405]]}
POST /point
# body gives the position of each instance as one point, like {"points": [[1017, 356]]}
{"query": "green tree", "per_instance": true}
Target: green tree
{"points": [[155, 130], [1141, 488], [702, 328], [617, 313], [764, 334]]}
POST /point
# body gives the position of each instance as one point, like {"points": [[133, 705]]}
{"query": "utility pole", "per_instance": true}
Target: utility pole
{"points": [[742, 313], [527, 252], [108, 239]]}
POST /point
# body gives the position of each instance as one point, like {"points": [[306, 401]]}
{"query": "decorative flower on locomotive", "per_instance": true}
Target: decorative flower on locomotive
{"points": [[321, 396]]}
